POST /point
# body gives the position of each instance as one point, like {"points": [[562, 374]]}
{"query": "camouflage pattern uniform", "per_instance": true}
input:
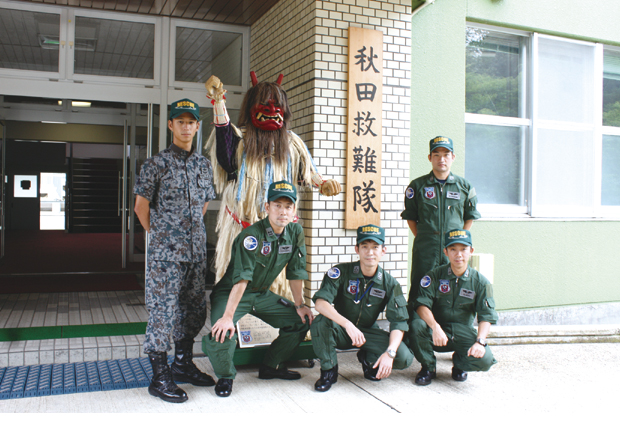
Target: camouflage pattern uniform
{"points": [[178, 184]]}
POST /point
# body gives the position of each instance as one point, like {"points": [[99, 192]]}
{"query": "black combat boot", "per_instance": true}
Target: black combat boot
{"points": [[183, 368], [162, 385], [370, 373], [328, 377], [268, 373], [458, 374], [425, 376]]}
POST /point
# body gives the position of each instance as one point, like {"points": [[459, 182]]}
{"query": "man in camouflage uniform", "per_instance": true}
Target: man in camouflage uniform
{"points": [[172, 194], [359, 292], [259, 253], [434, 203]]}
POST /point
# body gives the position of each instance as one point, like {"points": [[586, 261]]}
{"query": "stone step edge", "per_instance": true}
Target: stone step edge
{"points": [[552, 340], [554, 331]]}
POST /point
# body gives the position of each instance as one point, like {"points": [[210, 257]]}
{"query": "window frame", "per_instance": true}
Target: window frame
{"points": [[511, 210], [62, 50], [215, 27], [96, 14], [532, 123]]}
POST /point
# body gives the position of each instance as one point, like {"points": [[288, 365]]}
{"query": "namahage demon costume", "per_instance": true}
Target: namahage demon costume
{"points": [[248, 158]]}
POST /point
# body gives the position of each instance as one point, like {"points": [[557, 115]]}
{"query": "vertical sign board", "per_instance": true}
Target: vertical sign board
{"points": [[363, 197]]}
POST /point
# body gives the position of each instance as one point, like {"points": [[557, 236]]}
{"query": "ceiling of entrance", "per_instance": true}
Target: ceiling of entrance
{"points": [[241, 12]]}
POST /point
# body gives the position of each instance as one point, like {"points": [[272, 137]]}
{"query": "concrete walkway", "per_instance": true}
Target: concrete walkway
{"points": [[533, 379]]}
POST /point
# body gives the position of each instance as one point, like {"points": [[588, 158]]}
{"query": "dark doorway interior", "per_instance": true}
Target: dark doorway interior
{"points": [[92, 239]]}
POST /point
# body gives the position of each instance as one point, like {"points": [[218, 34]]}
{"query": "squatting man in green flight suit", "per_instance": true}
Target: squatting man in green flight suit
{"points": [[435, 203], [259, 254], [450, 297], [359, 291]]}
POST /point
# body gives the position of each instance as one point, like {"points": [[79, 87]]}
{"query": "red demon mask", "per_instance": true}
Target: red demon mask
{"points": [[267, 116]]}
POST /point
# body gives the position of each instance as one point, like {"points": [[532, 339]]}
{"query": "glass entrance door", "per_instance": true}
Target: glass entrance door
{"points": [[141, 133], [2, 188]]}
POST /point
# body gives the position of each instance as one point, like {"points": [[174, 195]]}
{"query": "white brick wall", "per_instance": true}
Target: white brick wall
{"points": [[306, 40]]}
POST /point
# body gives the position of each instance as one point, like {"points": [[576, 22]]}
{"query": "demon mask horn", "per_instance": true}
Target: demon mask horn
{"points": [[255, 79]]}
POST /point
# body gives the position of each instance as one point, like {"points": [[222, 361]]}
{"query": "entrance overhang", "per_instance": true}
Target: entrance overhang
{"points": [[239, 12]]}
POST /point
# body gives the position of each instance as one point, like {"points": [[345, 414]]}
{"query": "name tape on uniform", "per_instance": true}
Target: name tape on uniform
{"points": [[377, 293]]}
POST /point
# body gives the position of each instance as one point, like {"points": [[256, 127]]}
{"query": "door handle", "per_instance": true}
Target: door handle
{"points": [[118, 203]]}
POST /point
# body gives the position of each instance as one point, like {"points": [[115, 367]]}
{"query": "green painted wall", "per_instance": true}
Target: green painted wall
{"points": [[591, 20], [538, 263]]}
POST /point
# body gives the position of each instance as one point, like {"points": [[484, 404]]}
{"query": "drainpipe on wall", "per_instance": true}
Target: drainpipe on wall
{"points": [[421, 6]]}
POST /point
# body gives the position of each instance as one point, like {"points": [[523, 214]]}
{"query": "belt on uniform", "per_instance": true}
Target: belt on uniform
{"points": [[244, 224]]}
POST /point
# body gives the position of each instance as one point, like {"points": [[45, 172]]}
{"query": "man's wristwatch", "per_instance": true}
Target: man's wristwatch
{"points": [[303, 305], [391, 353], [481, 342]]}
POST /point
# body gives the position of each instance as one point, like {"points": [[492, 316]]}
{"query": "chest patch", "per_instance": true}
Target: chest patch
{"points": [[470, 294], [444, 286], [426, 281], [354, 286], [285, 249], [266, 250], [377, 293], [333, 273], [453, 195], [409, 193], [429, 193], [250, 243]]}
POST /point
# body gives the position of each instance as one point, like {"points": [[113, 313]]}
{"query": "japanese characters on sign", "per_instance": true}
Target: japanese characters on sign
{"points": [[363, 196]]}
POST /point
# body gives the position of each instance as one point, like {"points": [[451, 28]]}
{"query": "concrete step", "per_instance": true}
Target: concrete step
{"points": [[554, 334]]}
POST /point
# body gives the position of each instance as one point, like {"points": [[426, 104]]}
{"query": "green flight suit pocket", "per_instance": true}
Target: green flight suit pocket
{"points": [[491, 302], [401, 307]]}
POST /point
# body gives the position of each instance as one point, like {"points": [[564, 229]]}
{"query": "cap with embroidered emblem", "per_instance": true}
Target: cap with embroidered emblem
{"points": [[441, 142], [184, 106], [371, 232], [458, 236], [282, 189]]}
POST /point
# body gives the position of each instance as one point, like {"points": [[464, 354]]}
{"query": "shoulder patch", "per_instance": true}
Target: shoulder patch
{"points": [[250, 243], [333, 273], [426, 281], [409, 193]]}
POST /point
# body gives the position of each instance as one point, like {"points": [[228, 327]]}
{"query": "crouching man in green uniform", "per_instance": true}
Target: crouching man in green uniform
{"points": [[259, 254], [449, 298], [359, 292]]}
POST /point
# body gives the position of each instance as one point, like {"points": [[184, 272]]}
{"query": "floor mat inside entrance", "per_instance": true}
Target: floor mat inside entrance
{"points": [[81, 377]]}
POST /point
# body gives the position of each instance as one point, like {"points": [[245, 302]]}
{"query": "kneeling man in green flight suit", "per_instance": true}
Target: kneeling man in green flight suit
{"points": [[359, 291], [450, 297], [259, 254]]}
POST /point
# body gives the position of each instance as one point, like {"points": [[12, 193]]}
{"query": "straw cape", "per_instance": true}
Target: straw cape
{"points": [[243, 200]]}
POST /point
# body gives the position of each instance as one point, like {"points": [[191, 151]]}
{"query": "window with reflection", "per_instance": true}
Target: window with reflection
{"points": [[106, 47], [201, 53], [29, 40], [494, 66]]}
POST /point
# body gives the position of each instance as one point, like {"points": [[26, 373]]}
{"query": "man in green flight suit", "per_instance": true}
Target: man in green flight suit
{"points": [[435, 203], [359, 292], [450, 296], [259, 254]]}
